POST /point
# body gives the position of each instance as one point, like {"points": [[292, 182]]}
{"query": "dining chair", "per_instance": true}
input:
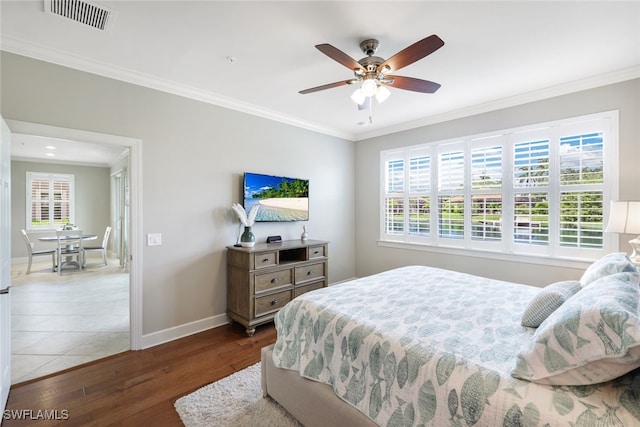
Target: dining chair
{"points": [[69, 246], [102, 248], [33, 253]]}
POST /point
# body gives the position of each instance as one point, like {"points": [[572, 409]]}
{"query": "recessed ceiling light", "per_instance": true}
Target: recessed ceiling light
{"points": [[50, 147], [50, 154]]}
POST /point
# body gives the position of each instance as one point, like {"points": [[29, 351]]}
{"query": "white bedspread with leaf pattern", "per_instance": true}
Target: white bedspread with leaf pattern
{"points": [[424, 346]]}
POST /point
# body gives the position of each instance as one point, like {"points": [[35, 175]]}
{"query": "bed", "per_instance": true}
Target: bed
{"points": [[425, 346]]}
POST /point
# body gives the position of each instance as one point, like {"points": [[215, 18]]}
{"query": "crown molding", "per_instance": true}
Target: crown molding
{"points": [[512, 101], [65, 59]]}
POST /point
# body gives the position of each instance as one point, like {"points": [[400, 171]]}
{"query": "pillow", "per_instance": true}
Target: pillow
{"points": [[547, 301], [593, 337], [609, 264]]}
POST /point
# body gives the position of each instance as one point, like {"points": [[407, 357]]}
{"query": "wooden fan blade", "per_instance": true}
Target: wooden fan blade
{"points": [[409, 83], [411, 54], [327, 86], [338, 56]]}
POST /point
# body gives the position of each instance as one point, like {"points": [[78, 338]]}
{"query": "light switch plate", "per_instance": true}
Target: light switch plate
{"points": [[154, 239]]}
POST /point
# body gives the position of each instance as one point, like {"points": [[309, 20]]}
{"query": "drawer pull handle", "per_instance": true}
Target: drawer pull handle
{"points": [[274, 302], [309, 273], [274, 280], [265, 260]]}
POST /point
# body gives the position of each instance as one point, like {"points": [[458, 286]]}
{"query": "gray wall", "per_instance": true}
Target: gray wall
{"points": [[92, 187], [371, 258], [193, 157]]}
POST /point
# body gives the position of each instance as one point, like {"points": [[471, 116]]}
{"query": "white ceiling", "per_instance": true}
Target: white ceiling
{"points": [[28, 147], [496, 54]]}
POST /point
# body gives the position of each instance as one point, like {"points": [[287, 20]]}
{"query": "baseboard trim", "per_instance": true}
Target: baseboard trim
{"points": [[181, 331]]}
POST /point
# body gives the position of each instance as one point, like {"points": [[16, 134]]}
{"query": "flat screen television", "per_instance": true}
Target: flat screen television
{"points": [[280, 198]]}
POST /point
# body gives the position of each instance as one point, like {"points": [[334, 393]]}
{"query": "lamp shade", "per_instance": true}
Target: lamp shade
{"points": [[358, 96], [624, 217], [369, 87], [382, 93], [633, 218]]}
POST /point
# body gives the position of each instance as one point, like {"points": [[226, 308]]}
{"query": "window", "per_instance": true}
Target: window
{"points": [[50, 200], [536, 190]]}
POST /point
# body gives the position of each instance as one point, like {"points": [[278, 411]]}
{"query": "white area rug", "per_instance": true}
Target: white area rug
{"points": [[231, 402]]}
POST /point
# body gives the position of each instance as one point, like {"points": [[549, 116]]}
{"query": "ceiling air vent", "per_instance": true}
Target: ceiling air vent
{"points": [[80, 11]]}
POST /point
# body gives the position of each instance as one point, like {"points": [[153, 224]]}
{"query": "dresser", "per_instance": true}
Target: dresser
{"points": [[262, 279]]}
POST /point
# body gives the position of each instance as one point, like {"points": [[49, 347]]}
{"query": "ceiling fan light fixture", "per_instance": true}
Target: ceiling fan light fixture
{"points": [[382, 93], [371, 71], [369, 87], [384, 70], [358, 96]]}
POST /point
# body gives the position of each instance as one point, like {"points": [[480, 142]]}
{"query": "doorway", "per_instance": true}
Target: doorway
{"points": [[120, 214], [124, 216]]}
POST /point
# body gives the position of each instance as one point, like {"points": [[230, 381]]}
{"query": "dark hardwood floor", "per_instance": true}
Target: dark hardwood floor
{"points": [[138, 388]]}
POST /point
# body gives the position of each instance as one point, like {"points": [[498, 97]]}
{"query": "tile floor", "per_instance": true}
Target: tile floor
{"points": [[60, 321]]}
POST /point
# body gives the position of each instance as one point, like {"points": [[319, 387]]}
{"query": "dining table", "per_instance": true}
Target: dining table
{"points": [[69, 261]]}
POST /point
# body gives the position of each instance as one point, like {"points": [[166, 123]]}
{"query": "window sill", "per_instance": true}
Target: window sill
{"points": [[580, 264]]}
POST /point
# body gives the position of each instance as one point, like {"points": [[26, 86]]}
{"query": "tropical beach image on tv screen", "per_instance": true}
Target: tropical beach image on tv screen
{"points": [[280, 198]]}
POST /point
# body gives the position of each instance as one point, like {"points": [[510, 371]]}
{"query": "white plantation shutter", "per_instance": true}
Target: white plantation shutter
{"points": [[486, 188], [419, 197], [529, 219], [420, 174], [582, 159], [61, 201], [582, 198], [394, 195], [407, 195], [536, 190], [50, 200], [451, 191], [531, 164], [581, 219], [395, 182], [486, 168], [451, 217], [451, 169], [39, 206]]}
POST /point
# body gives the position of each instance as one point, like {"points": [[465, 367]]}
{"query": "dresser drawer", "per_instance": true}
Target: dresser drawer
{"points": [[317, 251], [273, 279], [265, 259], [270, 303], [299, 290], [309, 272]]}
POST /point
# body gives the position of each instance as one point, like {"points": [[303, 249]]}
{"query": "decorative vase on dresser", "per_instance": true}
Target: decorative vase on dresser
{"points": [[247, 240], [263, 278]]}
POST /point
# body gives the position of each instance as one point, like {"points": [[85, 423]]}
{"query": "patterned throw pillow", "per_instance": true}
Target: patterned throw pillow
{"points": [[593, 337], [617, 262], [547, 301]]}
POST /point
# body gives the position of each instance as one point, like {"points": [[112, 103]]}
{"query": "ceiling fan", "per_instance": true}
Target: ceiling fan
{"points": [[373, 72]]}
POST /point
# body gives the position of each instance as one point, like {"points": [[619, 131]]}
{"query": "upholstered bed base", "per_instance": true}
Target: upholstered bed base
{"points": [[311, 402]]}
